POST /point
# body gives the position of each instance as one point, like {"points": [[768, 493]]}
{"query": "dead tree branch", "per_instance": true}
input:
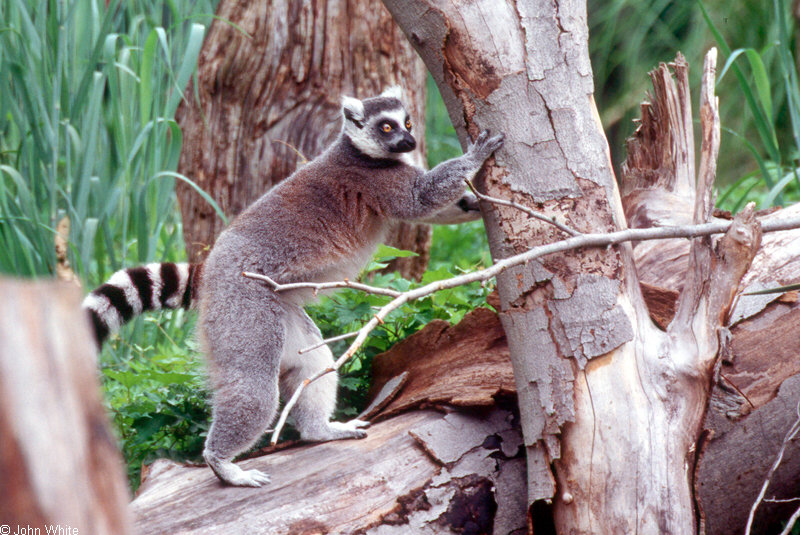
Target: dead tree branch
{"points": [[319, 286], [604, 239]]}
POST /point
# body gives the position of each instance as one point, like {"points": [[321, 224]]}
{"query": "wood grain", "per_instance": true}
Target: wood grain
{"points": [[59, 462]]}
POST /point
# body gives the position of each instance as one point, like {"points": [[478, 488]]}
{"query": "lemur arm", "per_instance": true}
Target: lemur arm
{"points": [[444, 184], [465, 209]]}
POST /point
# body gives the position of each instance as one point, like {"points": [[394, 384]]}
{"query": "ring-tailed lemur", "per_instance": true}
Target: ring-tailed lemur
{"points": [[320, 224]]}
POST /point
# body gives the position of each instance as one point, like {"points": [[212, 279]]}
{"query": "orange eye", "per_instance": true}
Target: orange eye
{"points": [[408, 124], [386, 127]]}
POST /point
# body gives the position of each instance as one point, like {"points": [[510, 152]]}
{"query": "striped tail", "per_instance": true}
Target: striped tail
{"points": [[129, 292]]}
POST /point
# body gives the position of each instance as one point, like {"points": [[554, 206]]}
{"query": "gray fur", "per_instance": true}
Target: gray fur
{"points": [[321, 224]]}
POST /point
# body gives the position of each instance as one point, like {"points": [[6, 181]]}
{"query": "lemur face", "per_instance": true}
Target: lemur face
{"points": [[379, 127]]}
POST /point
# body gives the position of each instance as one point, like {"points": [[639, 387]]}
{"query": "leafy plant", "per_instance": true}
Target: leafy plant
{"points": [[159, 404], [778, 173]]}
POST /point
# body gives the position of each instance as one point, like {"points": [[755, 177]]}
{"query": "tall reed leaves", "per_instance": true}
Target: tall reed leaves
{"points": [[777, 155], [88, 95]]}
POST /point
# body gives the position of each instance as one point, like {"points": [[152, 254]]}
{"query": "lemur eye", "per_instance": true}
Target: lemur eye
{"points": [[408, 124], [386, 127]]}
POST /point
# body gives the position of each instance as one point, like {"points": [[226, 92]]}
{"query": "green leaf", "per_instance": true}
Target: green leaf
{"points": [[199, 190], [187, 67], [387, 252], [148, 426], [436, 275]]}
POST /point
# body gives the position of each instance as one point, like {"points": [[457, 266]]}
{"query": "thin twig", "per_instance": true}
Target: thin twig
{"points": [[788, 438], [541, 217], [328, 341], [575, 242], [781, 500], [790, 524], [317, 286]]}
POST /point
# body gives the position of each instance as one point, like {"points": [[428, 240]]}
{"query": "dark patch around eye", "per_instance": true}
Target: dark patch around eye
{"points": [[392, 124]]}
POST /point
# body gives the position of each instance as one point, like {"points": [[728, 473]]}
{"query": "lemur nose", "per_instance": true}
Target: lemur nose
{"points": [[406, 144]]}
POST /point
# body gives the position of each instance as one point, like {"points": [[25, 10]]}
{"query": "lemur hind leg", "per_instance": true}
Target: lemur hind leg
{"points": [[316, 404], [243, 359]]}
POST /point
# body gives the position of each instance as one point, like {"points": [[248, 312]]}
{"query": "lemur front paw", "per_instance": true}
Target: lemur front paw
{"points": [[484, 145]]}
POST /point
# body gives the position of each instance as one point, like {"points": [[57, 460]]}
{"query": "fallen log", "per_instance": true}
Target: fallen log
{"points": [[60, 468], [420, 472]]}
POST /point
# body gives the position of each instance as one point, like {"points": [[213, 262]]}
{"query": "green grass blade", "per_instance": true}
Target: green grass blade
{"points": [[199, 190], [763, 126], [187, 67]]}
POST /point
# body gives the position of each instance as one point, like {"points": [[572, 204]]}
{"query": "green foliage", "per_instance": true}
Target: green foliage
{"points": [[159, 403], [87, 130], [348, 310], [757, 85], [777, 167], [440, 136]]}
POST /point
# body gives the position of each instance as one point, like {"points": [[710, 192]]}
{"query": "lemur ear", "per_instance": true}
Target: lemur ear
{"points": [[393, 92], [353, 110]]}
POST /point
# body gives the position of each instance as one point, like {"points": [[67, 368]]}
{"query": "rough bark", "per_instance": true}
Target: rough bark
{"points": [[59, 463], [268, 101], [608, 399]]}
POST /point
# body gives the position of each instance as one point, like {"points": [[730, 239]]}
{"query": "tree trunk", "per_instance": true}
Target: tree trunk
{"points": [[268, 101], [611, 406], [59, 463]]}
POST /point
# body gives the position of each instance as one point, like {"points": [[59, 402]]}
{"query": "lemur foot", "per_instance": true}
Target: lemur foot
{"points": [[231, 474], [354, 428], [338, 431]]}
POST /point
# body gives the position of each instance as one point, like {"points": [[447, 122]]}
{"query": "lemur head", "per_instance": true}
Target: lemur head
{"points": [[379, 127]]}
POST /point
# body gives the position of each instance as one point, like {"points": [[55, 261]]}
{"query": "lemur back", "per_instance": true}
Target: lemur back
{"points": [[322, 223]]}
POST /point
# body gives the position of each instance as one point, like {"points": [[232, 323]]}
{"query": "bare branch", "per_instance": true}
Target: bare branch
{"points": [[328, 341], [541, 217], [575, 242], [790, 524], [787, 439], [318, 286]]}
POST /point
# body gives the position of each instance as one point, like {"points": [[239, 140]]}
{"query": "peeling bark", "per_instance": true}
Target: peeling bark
{"points": [[267, 102], [611, 401], [474, 353]]}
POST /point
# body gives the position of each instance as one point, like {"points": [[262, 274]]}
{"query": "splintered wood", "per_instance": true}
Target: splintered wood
{"points": [[466, 364]]}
